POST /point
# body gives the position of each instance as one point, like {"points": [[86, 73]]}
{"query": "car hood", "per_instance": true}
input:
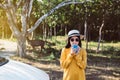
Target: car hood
{"points": [[14, 70]]}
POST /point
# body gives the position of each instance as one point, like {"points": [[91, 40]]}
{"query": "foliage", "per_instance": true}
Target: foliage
{"points": [[73, 16]]}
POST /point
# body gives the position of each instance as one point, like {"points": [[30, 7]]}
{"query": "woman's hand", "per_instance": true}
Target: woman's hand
{"points": [[73, 52]]}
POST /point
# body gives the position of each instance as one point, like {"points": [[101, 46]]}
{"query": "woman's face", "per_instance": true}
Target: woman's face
{"points": [[74, 40]]}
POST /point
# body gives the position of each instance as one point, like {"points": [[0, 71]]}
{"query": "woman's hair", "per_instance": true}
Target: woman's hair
{"points": [[68, 45]]}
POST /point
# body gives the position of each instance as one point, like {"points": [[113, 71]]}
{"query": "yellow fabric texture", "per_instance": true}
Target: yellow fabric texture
{"points": [[73, 66]]}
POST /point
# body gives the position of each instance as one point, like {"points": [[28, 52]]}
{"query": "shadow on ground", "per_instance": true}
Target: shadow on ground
{"points": [[98, 68]]}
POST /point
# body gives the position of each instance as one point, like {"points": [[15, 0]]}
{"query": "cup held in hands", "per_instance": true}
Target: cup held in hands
{"points": [[75, 48]]}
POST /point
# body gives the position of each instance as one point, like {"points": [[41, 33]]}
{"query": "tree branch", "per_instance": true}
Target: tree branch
{"points": [[12, 20], [50, 12], [12, 24], [19, 3], [2, 6], [30, 7], [24, 17]]}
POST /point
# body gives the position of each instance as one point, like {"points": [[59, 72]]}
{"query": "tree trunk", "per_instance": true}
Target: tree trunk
{"points": [[100, 31], [21, 46], [3, 34], [85, 34], [85, 25], [11, 37], [50, 31], [100, 35], [44, 31], [55, 31], [65, 30]]}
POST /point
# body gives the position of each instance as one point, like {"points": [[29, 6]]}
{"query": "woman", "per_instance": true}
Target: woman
{"points": [[72, 62]]}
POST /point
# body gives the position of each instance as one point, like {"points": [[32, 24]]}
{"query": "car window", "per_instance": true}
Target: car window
{"points": [[3, 61]]}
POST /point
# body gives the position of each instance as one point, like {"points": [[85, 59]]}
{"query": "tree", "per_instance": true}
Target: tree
{"points": [[21, 10]]}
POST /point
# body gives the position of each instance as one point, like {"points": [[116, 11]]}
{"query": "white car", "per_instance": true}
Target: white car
{"points": [[13, 70]]}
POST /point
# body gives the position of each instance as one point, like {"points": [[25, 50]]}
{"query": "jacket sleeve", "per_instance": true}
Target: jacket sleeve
{"points": [[65, 59], [82, 59]]}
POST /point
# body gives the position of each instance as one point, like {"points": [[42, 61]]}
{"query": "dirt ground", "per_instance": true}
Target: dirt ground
{"points": [[98, 68]]}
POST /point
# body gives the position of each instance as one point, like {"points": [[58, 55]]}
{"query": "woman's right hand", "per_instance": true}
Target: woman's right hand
{"points": [[72, 52]]}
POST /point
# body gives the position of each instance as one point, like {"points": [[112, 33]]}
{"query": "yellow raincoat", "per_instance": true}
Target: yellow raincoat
{"points": [[73, 66]]}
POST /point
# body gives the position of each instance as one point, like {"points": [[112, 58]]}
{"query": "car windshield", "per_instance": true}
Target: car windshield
{"points": [[3, 61]]}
